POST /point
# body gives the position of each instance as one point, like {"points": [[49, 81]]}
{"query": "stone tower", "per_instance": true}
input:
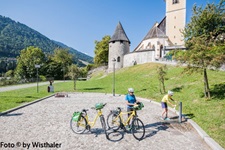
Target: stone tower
{"points": [[175, 21], [119, 45]]}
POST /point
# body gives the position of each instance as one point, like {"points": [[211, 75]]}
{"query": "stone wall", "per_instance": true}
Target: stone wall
{"points": [[117, 50], [138, 58]]}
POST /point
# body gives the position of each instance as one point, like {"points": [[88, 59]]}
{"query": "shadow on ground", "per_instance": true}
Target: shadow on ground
{"points": [[12, 114], [218, 91], [90, 89]]}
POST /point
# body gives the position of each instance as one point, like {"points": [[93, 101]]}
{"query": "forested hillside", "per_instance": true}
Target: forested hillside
{"points": [[78, 54], [15, 36]]}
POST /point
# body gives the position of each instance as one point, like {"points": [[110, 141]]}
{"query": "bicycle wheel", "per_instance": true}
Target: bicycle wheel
{"points": [[102, 119], [78, 126], [113, 121], [138, 129]]}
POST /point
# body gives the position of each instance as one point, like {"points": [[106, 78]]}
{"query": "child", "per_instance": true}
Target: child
{"points": [[166, 99]]}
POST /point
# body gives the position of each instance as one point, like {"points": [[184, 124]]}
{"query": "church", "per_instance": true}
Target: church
{"points": [[161, 38]]}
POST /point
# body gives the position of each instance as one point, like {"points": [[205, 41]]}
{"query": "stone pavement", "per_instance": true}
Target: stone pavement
{"points": [[20, 86], [47, 123]]}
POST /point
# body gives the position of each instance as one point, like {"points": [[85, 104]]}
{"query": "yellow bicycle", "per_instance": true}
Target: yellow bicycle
{"points": [[116, 121], [80, 121]]}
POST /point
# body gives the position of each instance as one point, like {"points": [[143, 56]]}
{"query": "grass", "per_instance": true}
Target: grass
{"points": [[209, 114]]}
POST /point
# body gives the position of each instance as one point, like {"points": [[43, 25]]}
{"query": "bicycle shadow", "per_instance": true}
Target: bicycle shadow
{"points": [[158, 126], [115, 136]]}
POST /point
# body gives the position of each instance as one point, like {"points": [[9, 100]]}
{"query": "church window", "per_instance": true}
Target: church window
{"points": [[149, 45], [141, 47], [121, 42], [175, 1], [174, 27], [153, 47], [118, 59]]}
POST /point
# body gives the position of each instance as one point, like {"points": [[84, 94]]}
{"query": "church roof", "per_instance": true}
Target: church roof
{"points": [[162, 25], [155, 32], [119, 34]]}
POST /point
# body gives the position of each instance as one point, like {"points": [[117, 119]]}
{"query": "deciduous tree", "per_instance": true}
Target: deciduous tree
{"points": [[202, 34], [102, 50], [74, 73], [27, 60], [57, 65]]}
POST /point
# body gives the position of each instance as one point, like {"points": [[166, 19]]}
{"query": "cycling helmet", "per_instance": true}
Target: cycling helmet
{"points": [[170, 93], [130, 90]]}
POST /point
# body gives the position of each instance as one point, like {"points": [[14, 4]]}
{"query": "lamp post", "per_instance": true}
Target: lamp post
{"points": [[175, 50], [114, 63], [37, 66]]}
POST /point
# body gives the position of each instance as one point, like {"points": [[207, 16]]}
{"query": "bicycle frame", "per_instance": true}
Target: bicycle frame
{"points": [[92, 123], [116, 121], [125, 122]]}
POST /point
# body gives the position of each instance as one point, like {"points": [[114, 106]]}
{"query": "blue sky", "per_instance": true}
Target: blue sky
{"points": [[78, 23]]}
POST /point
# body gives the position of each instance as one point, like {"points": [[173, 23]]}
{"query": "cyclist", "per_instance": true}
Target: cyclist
{"points": [[166, 99], [130, 100]]}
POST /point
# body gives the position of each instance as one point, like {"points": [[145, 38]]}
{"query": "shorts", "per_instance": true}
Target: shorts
{"points": [[128, 110], [164, 105]]}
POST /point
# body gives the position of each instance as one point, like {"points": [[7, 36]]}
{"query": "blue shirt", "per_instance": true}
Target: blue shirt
{"points": [[131, 99]]}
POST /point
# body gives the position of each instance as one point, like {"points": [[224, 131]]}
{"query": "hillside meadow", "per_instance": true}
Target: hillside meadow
{"points": [[188, 88]]}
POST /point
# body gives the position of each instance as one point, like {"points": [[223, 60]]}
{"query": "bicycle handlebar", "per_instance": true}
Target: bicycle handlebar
{"points": [[84, 110]]}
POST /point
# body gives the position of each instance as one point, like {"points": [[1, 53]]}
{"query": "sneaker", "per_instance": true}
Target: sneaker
{"points": [[128, 128], [167, 119]]}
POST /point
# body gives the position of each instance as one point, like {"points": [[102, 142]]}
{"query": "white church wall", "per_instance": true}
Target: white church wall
{"points": [[138, 58]]}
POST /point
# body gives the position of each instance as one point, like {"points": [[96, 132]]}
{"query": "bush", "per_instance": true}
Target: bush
{"points": [[42, 78]]}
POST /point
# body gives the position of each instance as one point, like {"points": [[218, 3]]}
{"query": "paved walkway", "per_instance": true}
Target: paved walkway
{"points": [[47, 123], [15, 87]]}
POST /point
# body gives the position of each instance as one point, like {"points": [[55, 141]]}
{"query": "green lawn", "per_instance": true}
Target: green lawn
{"points": [[209, 114]]}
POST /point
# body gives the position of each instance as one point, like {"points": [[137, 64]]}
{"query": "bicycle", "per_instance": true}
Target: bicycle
{"points": [[116, 121], [80, 121]]}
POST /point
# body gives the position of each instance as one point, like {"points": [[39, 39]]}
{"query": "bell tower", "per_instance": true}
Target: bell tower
{"points": [[119, 45], [175, 21]]}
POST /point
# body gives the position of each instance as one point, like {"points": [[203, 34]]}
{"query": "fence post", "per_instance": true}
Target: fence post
{"points": [[180, 112]]}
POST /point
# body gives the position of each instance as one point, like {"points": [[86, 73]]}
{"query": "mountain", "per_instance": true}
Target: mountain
{"points": [[79, 55], [15, 36]]}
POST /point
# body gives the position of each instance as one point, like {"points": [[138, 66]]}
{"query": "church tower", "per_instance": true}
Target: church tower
{"points": [[175, 21], [119, 45]]}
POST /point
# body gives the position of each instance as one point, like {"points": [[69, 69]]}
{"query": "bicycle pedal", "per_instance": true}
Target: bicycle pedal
{"points": [[88, 127]]}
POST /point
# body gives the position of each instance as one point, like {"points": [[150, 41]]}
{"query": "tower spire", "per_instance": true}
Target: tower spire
{"points": [[119, 34]]}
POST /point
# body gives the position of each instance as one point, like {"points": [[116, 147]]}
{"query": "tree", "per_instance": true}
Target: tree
{"points": [[73, 73], [102, 50], [161, 70], [27, 60], [201, 34], [57, 64]]}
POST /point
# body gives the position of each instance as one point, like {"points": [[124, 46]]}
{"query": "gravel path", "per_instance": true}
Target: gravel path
{"points": [[48, 123], [15, 87]]}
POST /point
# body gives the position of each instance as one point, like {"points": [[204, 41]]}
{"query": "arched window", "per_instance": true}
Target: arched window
{"points": [[149, 45], [118, 59], [153, 47], [175, 1], [141, 47]]}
